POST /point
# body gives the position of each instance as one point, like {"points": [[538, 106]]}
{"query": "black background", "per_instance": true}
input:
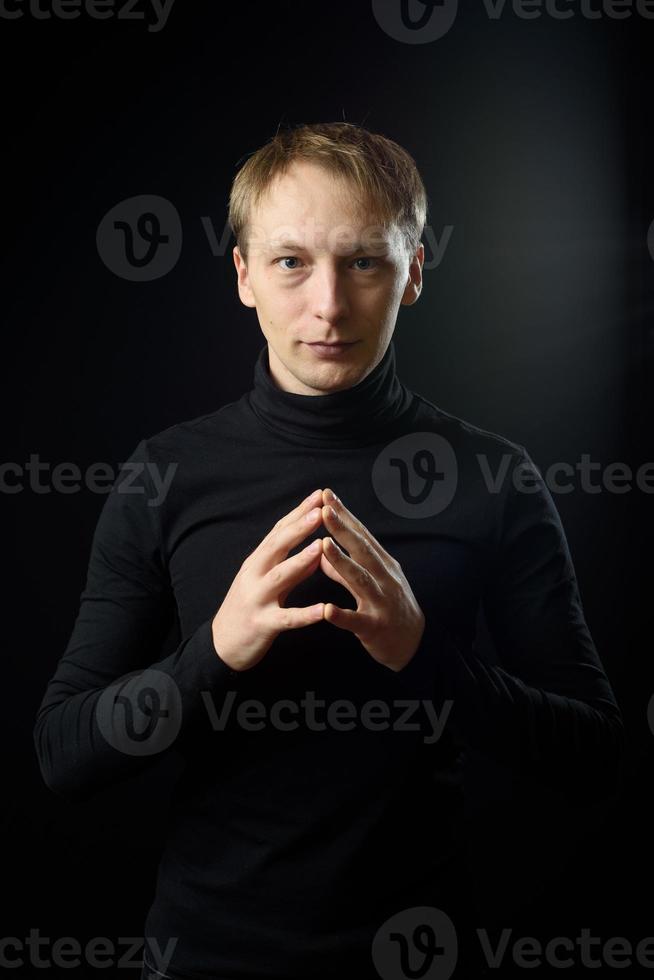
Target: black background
{"points": [[533, 137]]}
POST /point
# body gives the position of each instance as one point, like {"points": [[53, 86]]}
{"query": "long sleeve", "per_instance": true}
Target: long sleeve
{"points": [[112, 707], [547, 706]]}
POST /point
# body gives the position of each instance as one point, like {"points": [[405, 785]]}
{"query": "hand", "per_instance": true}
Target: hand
{"points": [[388, 621], [251, 615]]}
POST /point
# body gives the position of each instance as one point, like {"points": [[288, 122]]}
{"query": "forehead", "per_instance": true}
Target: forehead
{"points": [[307, 207]]}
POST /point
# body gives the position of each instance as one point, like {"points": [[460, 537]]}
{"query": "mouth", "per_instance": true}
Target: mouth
{"points": [[332, 349], [331, 343]]}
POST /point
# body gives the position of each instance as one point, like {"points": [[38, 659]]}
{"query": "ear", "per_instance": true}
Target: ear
{"points": [[413, 286], [243, 280]]}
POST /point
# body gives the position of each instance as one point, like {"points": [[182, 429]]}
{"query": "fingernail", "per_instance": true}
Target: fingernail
{"points": [[314, 547], [311, 516]]}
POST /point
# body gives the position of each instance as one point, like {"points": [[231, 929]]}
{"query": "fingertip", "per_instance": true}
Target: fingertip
{"points": [[313, 497]]}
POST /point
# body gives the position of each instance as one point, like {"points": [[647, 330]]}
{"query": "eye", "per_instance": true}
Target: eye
{"points": [[294, 258], [287, 258], [365, 259]]}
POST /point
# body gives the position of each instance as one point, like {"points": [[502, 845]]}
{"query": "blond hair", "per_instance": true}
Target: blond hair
{"points": [[383, 174]]}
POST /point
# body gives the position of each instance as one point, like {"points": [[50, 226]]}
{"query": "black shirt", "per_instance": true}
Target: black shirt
{"points": [[290, 841]]}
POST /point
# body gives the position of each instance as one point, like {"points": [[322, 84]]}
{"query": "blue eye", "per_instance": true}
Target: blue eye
{"points": [[294, 258], [285, 258]]}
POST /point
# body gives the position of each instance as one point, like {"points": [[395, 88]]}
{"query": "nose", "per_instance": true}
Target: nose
{"points": [[329, 297]]}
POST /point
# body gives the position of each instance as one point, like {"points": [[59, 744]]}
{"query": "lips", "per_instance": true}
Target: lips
{"points": [[331, 350]]}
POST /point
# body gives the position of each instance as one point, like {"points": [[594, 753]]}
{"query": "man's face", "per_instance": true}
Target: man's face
{"points": [[320, 270]]}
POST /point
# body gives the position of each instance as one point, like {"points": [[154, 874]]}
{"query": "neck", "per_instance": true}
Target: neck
{"points": [[353, 416]]}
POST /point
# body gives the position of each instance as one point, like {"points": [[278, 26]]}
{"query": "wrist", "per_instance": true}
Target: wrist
{"points": [[220, 652], [400, 665]]}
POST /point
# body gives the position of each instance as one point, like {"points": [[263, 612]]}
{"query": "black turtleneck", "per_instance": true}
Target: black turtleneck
{"points": [[290, 842], [351, 417]]}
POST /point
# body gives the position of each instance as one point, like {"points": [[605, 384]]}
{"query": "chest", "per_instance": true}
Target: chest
{"points": [[218, 520]]}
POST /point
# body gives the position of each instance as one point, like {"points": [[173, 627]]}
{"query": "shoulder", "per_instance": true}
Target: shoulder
{"points": [[188, 435], [463, 435]]}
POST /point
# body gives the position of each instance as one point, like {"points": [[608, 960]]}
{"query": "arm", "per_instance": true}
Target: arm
{"points": [[548, 706], [112, 707]]}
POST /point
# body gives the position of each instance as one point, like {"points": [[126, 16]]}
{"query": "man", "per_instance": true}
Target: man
{"points": [[322, 694]]}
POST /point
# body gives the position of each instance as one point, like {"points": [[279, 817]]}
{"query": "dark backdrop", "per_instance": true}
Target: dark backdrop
{"points": [[534, 140]]}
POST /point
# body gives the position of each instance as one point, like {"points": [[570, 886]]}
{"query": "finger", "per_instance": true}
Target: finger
{"points": [[354, 577], [345, 619], [313, 500], [283, 537], [354, 536], [295, 617], [331, 572], [386, 560], [351, 522], [279, 580]]}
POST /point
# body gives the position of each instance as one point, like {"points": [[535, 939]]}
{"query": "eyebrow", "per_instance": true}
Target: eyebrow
{"points": [[298, 247]]}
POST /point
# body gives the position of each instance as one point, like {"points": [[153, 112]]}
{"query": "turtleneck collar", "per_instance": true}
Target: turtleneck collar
{"points": [[351, 417]]}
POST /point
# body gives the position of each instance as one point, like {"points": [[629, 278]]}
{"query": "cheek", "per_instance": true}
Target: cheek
{"points": [[385, 297], [283, 306]]}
